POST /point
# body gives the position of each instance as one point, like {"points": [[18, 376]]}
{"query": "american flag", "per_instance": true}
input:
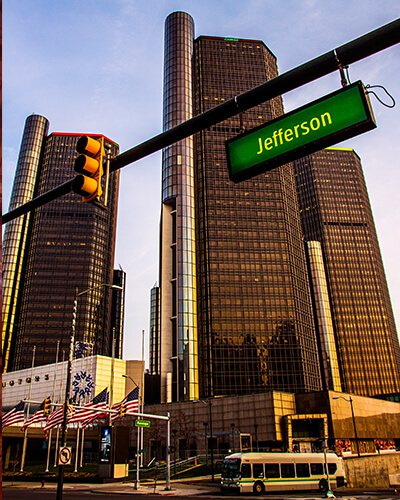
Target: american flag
{"points": [[14, 416], [99, 402], [37, 417], [56, 417], [131, 402]]}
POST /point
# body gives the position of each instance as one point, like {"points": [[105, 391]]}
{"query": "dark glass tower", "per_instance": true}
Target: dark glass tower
{"points": [[236, 312], [16, 234], [63, 246], [336, 213], [155, 330], [118, 312]]}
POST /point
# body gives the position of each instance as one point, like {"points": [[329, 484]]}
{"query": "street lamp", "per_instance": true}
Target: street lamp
{"points": [[138, 437], [350, 400], [60, 480], [205, 440]]}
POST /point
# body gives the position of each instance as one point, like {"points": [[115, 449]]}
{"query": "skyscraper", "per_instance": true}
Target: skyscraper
{"points": [[118, 313], [339, 229], [154, 367], [236, 312], [50, 253]]}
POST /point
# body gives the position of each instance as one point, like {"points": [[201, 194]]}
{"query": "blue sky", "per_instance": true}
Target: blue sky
{"points": [[97, 65]]}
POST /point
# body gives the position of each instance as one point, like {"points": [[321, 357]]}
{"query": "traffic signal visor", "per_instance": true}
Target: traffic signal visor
{"points": [[122, 410], [90, 165], [47, 406]]}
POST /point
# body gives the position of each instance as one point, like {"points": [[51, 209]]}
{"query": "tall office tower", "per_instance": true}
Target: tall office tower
{"points": [[48, 254], [336, 212], [16, 233], [117, 313], [236, 311], [154, 357]]}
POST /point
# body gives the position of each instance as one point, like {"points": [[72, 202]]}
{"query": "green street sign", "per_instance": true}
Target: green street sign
{"points": [[142, 423], [317, 125]]}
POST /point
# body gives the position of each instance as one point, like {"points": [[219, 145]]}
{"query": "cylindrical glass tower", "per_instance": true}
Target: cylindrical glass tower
{"points": [[179, 356], [16, 233]]}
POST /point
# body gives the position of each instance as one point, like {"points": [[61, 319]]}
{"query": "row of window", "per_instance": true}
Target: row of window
{"points": [[287, 470]]}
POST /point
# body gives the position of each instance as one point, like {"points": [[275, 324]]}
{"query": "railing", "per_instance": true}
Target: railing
{"points": [[200, 464]]}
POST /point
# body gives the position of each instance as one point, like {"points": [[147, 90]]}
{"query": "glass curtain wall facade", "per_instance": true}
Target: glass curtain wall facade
{"points": [[179, 357], [118, 313], [236, 311], [155, 347], [16, 234], [256, 330], [323, 317], [335, 210], [70, 246]]}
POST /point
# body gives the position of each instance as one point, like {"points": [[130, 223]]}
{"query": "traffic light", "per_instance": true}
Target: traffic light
{"points": [[90, 165], [47, 407], [122, 410]]}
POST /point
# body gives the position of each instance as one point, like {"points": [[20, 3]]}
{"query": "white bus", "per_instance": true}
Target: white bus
{"points": [[264, 472]]}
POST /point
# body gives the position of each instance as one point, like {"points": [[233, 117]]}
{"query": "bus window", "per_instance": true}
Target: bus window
{"points": [[231, 468], [332, 469], [258, 470], [246, 470], [272, 471], [287, 470], [317, 469], [302, 470]]}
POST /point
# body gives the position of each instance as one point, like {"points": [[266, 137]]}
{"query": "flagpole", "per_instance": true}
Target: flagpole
{"points": [[77, 449], [142, 402], [56, 450], [48, 451], [82, 443], [27, 415]]}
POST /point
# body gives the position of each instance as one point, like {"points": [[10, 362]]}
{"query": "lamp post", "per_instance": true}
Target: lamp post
{"points": [[205, 440], [60, 480], [350, 400], [137, 438]]}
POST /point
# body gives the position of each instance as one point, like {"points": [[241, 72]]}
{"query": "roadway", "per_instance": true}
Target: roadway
{"points": [[34, 491]]}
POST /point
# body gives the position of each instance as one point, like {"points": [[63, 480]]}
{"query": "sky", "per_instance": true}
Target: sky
{"points": [[96, 66]]}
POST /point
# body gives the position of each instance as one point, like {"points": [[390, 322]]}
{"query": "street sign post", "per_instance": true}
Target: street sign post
{"points": [[64, 455], [317, 125], [142, 423]]}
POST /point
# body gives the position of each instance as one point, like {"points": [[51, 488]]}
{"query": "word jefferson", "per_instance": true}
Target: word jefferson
{"points": [[289, 134]]}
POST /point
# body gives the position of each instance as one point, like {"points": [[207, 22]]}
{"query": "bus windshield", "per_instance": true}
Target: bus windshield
{"points": [[231, 468]]}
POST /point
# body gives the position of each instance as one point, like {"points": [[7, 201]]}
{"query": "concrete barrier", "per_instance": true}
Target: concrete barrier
{"points": [[371, 471]]}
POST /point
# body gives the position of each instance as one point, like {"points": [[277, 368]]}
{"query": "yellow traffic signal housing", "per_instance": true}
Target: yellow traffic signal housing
{"points": [[122, 410], [47, 406], [90, 165]]}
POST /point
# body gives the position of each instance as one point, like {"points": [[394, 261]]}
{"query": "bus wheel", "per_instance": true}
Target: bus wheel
{"points": [[323, 486], [258, 488]]}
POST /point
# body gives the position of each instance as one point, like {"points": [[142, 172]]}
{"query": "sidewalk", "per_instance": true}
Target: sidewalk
{"points": [[177, 488]]}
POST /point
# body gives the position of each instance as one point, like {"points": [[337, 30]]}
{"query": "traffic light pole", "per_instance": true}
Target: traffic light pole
{"points": [[331, 61], [334, 60], [38, 201], [60, 481]]}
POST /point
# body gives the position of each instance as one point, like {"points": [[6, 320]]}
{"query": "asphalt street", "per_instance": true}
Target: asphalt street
{"points": [[33, 491]]}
